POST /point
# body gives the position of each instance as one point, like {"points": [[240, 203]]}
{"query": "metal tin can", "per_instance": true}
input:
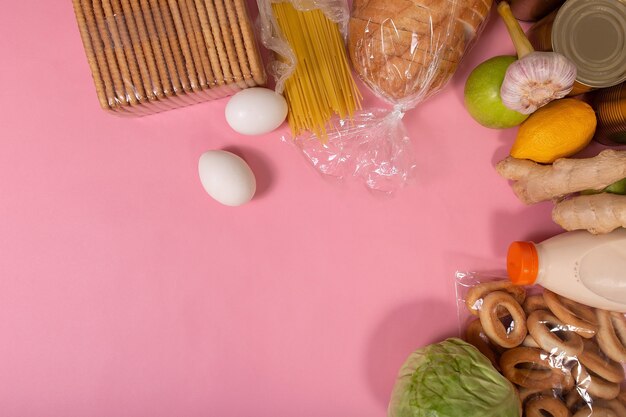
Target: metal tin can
{"points": [[533, 10], [610, 107], [592, 34]]}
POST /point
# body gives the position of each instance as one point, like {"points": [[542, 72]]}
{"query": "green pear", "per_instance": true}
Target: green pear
{"points": [[482, 95]]}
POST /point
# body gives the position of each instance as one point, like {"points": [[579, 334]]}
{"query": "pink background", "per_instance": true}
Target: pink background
{"points": [[126, 291]]}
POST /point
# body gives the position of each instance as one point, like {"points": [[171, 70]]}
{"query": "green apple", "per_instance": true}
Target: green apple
{"points": [[482, 95], [618, 187]]}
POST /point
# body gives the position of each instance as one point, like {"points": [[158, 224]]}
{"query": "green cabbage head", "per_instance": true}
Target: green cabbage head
{"points": [[452, 379]]}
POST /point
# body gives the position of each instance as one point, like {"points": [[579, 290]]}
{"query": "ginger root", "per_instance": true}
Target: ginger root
{"points": [[597, 213], [535, 182]]}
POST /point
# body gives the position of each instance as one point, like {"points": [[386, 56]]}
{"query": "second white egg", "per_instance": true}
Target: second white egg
{"points": [[226, 177], [255, 111]]}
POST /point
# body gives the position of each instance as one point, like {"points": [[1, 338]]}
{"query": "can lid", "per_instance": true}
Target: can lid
{"points": [[522, 263], [592, 34]]}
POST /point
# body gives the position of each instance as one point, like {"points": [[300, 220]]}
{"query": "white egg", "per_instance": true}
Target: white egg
{"points": [[226, 177], [255, 111]]}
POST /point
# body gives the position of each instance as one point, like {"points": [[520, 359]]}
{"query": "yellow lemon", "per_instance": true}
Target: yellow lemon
{"points": [[557, 130]]}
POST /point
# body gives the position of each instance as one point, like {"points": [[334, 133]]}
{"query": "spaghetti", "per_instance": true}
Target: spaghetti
{"points": [[321, 85]]}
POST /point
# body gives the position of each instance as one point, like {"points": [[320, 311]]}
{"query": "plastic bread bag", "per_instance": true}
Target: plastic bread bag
{"points": [[565, 358], [405, 51]]}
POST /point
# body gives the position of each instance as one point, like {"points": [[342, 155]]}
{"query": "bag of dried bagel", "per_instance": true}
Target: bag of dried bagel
{"points": [[565, 358], [405, 51]]}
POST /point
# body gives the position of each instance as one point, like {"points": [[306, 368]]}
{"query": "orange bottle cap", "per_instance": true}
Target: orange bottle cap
{"points": [[522, 263]]}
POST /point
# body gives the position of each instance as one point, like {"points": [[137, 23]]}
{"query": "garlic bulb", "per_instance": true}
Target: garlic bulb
{"points": [[536, 80]]}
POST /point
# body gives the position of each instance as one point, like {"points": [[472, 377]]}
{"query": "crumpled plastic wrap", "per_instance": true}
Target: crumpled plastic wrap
{"points": [[565, 358], [405, 51], [349, 152]]}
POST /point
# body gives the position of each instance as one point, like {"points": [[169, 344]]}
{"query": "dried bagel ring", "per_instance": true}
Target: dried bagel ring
{"points": [[539, 375], [493, 327], [579, 316], [475, 336], [546, 329], [593, 384], [478, 292], [622, 397], [597, 412], [528, 393], [574, 401], [534, 302], [612, 334], [553, 406], [618, 408], [596, 361], [530, 342]]}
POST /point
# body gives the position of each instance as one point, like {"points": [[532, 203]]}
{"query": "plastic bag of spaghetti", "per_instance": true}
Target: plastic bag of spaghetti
{"points": [[274, 33], [564, 357], [312, 70]]}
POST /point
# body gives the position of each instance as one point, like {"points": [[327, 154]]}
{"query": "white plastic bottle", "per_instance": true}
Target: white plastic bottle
{"points": [[590, 269]]}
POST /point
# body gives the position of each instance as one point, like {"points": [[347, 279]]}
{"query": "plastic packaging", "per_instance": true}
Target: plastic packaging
{"points": [[373, 146], [590, 269], [564, 357], [272, 38], [147, 56], [405, 51]]}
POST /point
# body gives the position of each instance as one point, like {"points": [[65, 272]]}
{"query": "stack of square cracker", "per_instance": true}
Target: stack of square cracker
{"points": [[148, 56], [406, 50]]}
